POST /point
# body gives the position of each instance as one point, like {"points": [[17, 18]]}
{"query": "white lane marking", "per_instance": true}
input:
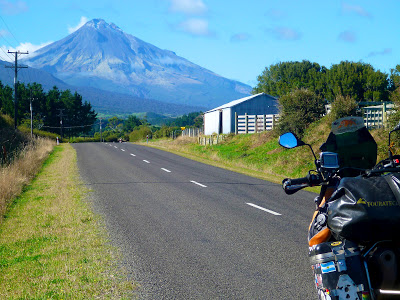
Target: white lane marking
{"points": [[123, 150], [202, 185], [133, 154], [115, 147], [166, 170], [146, 161], [264, 209]]}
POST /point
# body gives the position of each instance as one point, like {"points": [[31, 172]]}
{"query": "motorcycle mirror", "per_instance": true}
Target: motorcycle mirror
{"points": [[289, 140]]}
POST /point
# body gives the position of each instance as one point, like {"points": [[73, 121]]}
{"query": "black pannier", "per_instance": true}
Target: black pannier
{"points": [[366, 209]]}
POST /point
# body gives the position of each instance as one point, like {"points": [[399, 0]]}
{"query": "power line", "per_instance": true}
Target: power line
{"points": [[9, 30], [69, 127]]}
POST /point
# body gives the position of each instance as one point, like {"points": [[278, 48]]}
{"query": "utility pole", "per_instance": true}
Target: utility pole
{"points": [[16, 69], [100, 131], [30, 102], [61, 120]]}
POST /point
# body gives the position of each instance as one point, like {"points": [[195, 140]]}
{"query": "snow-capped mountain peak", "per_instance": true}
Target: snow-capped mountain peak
{"points": [[102, 55]]}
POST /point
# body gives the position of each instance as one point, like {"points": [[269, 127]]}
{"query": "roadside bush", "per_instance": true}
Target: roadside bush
{"points": [[394, 118], [39, 133], [298, 110], [6, 121], [343, 107], [163, 132], [140, 133], [112, 138]]}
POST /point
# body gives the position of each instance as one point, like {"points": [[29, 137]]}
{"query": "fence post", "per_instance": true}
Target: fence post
{"points": [[246, 123], [264, 122], [236, 123], [384, 115]]}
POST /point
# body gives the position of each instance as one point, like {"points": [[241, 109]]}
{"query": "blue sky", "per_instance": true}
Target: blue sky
{"points": [[236, 39]]}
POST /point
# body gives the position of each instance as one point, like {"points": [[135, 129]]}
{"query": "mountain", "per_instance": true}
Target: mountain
{"points": [[102, 101], [101, 55]]}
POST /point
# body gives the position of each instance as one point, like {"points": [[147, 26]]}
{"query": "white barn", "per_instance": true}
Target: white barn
{"points": [[222, 119]]}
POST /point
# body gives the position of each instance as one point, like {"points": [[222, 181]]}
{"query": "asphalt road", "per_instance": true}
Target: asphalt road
{"points": [[192, 231]]}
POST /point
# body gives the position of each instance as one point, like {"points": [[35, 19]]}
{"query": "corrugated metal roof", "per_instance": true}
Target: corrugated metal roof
{"points": [[238, 101]]}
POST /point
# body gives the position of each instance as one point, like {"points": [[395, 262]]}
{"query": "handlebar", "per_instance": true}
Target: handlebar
{"points": [[291, 186], [298, 181]]}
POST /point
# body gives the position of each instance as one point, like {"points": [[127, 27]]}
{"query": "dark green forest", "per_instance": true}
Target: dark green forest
{"points": [[53, 111]]}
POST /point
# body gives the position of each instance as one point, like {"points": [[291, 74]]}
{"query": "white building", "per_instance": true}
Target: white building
{"points": [[222, 119]]}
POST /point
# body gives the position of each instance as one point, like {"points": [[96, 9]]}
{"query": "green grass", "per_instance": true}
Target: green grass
{"points": [[259, 154], [51, 244]]}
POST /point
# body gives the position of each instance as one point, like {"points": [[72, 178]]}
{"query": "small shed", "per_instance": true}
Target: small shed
{"points": [[222, 119]]}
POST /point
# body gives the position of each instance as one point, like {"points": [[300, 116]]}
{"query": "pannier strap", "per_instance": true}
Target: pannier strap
{"points": [[394, 183]]}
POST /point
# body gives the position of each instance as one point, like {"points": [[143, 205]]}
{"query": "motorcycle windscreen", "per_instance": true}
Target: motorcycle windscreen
{"points": [[351, 140]]}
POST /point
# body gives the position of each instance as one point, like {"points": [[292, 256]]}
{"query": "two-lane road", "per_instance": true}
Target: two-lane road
{"points": [[192, 231]]}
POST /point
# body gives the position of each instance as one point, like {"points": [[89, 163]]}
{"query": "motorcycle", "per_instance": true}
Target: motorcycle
{"points": [[354, 235]]}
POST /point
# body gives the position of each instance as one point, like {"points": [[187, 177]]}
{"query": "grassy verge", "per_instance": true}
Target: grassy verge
{"points": [[14, 176], [259, 154], [51, 244]]}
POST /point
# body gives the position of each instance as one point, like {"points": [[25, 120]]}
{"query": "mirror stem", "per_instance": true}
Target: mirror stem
{"points": [[312, 151]]}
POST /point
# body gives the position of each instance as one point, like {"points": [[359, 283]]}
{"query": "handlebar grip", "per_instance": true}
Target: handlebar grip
{"points": [[298, 181], [291, 186]]}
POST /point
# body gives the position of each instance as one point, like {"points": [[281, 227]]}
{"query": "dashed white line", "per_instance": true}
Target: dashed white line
{"points": [[166, 170], [123, 150], [146, 161], [202, 185], [264, 209], [115, 147], [133, 154]]}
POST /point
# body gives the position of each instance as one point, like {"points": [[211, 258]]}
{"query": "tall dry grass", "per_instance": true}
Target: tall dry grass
{"points": [[22, 170]]}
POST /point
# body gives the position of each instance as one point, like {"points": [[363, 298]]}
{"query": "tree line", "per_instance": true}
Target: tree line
{"points": [[359, 81], [52, 111], [303, 89], [134, 128]]}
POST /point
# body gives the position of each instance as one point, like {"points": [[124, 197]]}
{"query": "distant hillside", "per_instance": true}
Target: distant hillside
{"points": [[102, 101], [100, 55]]}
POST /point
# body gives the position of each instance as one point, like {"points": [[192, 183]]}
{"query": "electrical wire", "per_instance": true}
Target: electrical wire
{"points": [[18, 42]]}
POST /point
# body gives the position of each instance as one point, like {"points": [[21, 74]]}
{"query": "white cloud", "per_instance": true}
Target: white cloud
{"points": [[12, 8], [82, 22], [24, 47], [386, 51], [348, 36], [188, 7], [197, 27], [284, 33], [357, 9]]}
